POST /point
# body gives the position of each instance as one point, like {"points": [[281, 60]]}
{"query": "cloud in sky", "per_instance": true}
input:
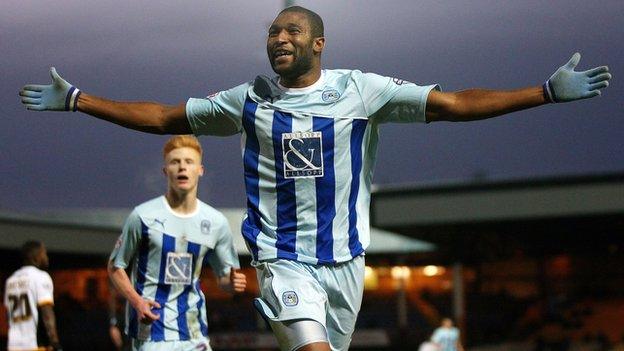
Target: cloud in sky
{"points": [[169, 51]]}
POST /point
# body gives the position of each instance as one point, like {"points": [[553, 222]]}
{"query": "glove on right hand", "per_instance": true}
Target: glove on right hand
{"points": [[58, 96]]}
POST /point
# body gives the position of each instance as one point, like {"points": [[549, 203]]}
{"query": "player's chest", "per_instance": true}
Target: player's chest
{"points": [[330, 111], [179, 235]]}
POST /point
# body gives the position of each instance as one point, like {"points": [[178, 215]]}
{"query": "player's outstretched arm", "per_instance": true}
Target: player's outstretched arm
{"points": [[564, 85], [148, 117]]}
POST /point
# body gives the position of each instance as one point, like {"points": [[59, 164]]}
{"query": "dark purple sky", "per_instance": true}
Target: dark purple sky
{"points": [[159, 50]]}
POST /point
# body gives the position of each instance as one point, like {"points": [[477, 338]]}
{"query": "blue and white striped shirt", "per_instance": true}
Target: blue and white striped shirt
{"points": [[446, 338], [308, 159], [165, 252]]}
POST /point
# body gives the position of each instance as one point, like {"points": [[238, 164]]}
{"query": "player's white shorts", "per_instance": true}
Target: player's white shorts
{"points": [[201, 344], [330, 295]]}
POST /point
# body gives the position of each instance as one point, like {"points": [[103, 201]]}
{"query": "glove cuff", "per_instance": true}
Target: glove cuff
{"points": [[549, 93], [71, 100]]}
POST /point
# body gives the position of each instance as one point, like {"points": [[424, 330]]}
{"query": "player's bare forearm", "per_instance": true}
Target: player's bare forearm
{"points": [[49, 321], [149, 117], [476, 104], [142, 306], [122, 283]]}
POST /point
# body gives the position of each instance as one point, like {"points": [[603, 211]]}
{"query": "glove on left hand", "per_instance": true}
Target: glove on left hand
{"points": [[568, 85]]}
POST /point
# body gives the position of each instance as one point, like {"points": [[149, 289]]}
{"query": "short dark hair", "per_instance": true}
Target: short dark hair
{"points": [[30, 249], [316, 22]]}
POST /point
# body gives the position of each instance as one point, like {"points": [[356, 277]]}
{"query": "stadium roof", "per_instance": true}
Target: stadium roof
{"points": [[94, 231], [482, 201]]}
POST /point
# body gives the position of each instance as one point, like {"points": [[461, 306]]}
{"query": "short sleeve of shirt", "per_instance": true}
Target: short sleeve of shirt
{"points": [[219, 114], [437, 336], [44, 289], [224, 256], [128, 241], [390, 99]]}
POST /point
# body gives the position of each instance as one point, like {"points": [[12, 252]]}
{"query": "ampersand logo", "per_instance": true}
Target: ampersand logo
{"points": [[302, 154], [178, 268]]}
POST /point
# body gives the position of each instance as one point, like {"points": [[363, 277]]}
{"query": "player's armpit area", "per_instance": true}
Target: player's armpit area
{"points": [[45, 303]]}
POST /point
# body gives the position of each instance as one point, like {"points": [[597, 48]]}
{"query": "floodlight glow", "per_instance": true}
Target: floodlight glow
{"points": [[400, 272], [431, 270]]}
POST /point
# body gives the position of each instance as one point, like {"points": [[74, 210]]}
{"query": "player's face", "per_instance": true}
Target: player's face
{"points": [[183, 168], [290, 45]]}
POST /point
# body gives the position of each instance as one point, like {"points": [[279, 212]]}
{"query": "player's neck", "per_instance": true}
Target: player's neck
{"points": [[301, 81], [182, 203]]}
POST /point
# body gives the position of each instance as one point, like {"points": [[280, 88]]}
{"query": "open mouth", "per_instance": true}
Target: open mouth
{"points": [[182, 178], [279, 55]]}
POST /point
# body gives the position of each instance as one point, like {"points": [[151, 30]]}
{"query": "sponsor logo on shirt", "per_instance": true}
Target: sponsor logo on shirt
{"points": [[302, 154], [178, 268], [330, 95], [290, 298]]}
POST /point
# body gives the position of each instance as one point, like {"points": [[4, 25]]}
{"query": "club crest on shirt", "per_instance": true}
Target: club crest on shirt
{"points": [[302, 154], [290, 298], [178, 268], [330, 95], [205, 226]]}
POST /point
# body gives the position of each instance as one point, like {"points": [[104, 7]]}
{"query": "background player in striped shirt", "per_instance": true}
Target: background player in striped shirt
{"points": [[446, 336], [29, 299], [309, 145], [164, 244]]}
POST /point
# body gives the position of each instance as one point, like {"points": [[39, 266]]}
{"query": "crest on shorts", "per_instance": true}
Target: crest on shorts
{"points": [[302, 154], [290, 298], [205, 226], [178, 268]]}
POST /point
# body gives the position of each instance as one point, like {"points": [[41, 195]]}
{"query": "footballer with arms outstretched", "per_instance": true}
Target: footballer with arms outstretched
{"points": [[309, 144]]}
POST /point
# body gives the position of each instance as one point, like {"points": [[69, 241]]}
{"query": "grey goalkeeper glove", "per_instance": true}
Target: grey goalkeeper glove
{"points": [[566, 84], [58, 96]]}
